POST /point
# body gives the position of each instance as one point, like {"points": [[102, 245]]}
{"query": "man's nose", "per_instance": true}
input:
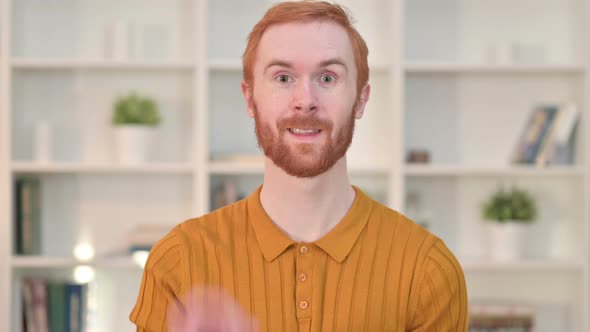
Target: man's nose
{"points": [[304, 97]]}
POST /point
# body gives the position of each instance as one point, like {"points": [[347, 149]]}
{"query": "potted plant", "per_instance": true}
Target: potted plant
{"points": [[134, 119], [508, 212]]}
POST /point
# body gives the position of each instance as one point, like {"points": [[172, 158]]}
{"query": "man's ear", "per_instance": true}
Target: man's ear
{"points": [[362, 101], [247, 92]]}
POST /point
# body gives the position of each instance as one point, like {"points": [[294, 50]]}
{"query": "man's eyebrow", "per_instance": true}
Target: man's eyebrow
{"points": [[280, 63], [333, 61], [324, 63]]}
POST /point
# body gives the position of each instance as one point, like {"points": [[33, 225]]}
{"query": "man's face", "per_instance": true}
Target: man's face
{"points": [[304, 99]]}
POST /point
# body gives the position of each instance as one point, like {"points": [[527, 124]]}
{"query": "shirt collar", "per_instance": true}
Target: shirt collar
{"points": [[337, 243]]}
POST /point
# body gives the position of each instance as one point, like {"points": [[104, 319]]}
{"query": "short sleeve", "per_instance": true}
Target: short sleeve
{"points": [[442, 294], [161, 284]]}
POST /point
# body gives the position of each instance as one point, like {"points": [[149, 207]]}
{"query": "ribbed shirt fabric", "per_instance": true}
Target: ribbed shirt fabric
{"points": [[374, 271]]}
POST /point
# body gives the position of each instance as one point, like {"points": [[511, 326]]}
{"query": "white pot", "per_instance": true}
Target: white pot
{"points": [[132, 144], [505, 240]]}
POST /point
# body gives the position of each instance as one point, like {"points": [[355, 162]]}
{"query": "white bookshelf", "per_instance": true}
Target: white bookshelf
{"points": [[433, 87]]}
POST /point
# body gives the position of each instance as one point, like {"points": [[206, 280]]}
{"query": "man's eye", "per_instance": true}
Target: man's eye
{"points": [[328, 79], [283, 78]]}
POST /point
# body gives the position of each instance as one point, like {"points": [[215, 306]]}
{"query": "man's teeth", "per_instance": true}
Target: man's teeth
{"points": [[304, 131]]}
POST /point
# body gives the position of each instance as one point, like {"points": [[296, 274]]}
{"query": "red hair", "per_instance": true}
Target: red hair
{"points": [[307, 11]]}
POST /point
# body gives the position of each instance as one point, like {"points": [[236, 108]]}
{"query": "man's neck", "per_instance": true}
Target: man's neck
{"points": [[306, 208]]}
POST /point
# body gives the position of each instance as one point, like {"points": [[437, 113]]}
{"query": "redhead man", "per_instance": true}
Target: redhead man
{"points": [[306, 251]]}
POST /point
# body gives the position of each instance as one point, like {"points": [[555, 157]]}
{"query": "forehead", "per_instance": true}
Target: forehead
{"points": [[304, 43]]}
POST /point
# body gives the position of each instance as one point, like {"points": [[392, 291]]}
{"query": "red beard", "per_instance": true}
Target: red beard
{"points": [[306, 160]]}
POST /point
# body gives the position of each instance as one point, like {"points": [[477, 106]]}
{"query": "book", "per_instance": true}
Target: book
{"points": [[501, 317], [541, 159], [559, 147], [53, 306], [75, 307], [561, 151], [535, 134], [34, 291], [28, 216], [56, 299], [27, 297]]}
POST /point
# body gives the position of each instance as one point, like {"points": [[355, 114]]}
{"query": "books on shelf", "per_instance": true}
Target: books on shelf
{"points": [[53, 306], [548, 137], [501, 317], [27, 216]]}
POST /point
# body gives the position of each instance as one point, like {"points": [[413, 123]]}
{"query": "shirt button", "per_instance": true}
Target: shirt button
{"points": [[302, 277], [303, 305], [304, 249]]}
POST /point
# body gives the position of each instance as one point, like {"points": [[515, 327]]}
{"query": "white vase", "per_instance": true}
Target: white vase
{"points": [[505, 240], [132, 144]]}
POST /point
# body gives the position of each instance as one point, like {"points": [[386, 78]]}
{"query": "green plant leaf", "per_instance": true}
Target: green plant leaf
{"points": [[134, 109]]}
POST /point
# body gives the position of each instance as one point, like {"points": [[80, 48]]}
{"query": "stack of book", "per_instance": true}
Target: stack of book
{"points": [[53, 306], [27, 216], [501, 318], [548, 137]]}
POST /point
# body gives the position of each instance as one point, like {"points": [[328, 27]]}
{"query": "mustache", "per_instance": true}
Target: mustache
{"points": [[304, 122]]}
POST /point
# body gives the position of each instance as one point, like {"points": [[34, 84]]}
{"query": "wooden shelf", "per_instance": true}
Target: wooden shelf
{"points": [[72, 167]]}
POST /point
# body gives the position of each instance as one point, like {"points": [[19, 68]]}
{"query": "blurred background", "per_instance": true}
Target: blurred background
{"points": [[121, 118]]}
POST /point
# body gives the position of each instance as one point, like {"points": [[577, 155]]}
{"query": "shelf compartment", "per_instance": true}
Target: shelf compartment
{"points": [[494, 32], [102, 210], [451, 209], [477, 120], [108, 30], [110, 296], [558, 305], [78, 107]]}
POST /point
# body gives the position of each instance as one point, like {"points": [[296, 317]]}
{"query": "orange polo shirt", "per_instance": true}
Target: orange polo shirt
{"points": [[375, 271]]}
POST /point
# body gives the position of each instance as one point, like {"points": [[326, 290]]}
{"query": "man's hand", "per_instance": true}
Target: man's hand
{"points": [[209, 310]]}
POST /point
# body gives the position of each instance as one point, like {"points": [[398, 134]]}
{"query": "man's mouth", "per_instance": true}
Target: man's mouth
{"points": [[298, 131]]}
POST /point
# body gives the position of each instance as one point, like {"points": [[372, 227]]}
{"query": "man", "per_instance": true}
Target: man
{"points": [[306, 251]]}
